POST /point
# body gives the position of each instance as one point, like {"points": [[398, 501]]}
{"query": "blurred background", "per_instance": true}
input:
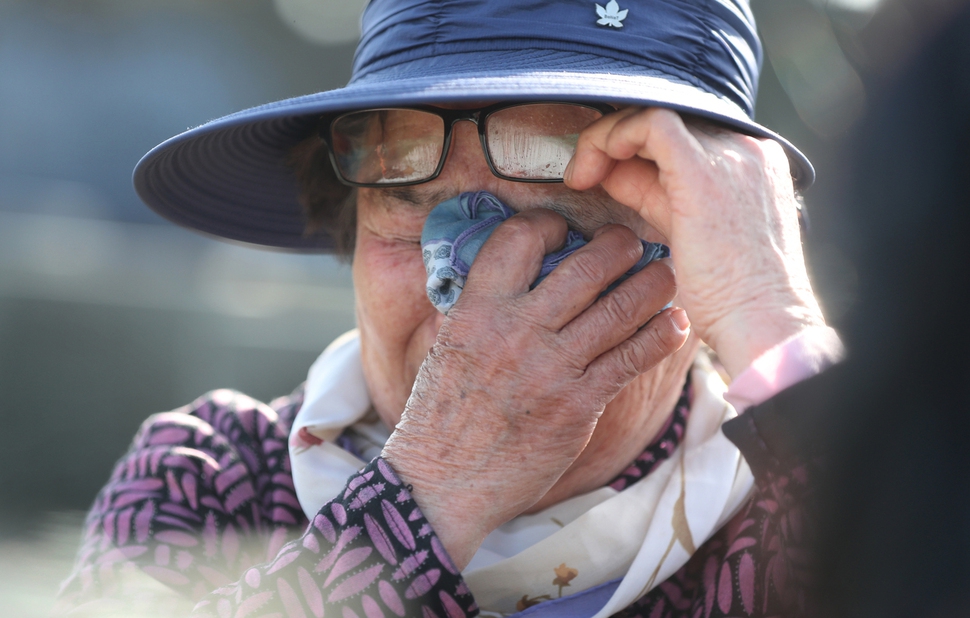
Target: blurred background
{"points": [[109, 313]]}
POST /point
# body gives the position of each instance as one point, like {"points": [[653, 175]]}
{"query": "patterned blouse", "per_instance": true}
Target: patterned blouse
{"points": [[203, 503]]}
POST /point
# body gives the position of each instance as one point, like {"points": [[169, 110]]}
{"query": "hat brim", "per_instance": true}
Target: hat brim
{"points": [[230, 177]]}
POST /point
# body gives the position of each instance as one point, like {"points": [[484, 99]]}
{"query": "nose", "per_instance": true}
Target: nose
{"points": [[466, 169], [439, 319], [465, 163]]}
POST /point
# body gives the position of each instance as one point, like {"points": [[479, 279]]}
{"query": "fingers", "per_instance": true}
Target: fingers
{"points": [[618, 315], [576, 283], [654, 134], [640, 157], [590, 163], [661, 337], [511, 258], [568, 300]]}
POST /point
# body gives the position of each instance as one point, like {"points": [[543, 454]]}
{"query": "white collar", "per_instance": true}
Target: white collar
{"points": [[642, 535]]}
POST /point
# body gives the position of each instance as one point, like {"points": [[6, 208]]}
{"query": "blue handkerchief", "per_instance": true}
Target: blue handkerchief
{"points": [[457, 228]]}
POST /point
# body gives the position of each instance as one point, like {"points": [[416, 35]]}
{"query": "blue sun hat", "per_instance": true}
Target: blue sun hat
{"points": [[230, 177]]}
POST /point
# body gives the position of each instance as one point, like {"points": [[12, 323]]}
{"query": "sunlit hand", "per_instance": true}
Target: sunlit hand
{"points": [[517, 379], [726, 204]]}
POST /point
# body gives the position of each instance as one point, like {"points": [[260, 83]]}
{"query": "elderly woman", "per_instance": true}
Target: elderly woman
{"points": [[549, 443]]}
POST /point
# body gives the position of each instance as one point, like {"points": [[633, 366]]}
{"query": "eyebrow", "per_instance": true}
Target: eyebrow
{"points": [[420, 198]]}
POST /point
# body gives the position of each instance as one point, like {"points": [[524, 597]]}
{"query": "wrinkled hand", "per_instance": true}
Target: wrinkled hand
{"points": [[517, 379], [726, 205]]}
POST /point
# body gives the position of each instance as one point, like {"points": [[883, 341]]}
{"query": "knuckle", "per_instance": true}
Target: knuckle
{"points": [[614, 241], [661, 279], [586, 137], [657, 114], [622, 306], [627, 131], [664, 121], [756, 161], [770, 149], [533, 226], [518, 226], [623, 238], [585, 266], [648, 347], [635, 356], [762, 154], [664, 274]]}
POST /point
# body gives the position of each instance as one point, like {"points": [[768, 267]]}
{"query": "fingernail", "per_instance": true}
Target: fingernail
{"points": [[680, 320], [567, 173]]}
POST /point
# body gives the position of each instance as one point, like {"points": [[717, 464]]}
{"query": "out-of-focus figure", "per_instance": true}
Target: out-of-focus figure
{"points": [[894, 419]]}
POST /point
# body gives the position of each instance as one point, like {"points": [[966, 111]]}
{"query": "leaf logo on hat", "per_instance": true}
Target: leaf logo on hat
{"points": [[611, 15]]}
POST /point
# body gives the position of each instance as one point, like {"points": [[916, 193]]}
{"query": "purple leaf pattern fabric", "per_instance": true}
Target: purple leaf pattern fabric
{"points": [[203, 494], [204, 504], [758, 564], [662, 446]]}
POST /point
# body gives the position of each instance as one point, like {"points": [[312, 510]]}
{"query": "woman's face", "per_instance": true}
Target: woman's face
{"points": [[398, 324]]}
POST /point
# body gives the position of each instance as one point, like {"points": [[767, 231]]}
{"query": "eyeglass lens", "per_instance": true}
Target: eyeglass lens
{"points": [[393, 146], [388, 145], [535, 142]]}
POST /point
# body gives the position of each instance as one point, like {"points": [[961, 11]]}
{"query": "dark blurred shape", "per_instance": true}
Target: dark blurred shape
{"points": [[823, 86], [107, 312], [88, 86], [802, 100], [894, 524], [888, 42], [897, 541]]}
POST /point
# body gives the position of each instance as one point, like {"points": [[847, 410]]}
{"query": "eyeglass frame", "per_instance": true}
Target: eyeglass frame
{"points": [[450, 117]]}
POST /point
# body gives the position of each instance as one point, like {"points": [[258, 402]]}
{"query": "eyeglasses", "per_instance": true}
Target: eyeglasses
{"points": [[399, 146]]}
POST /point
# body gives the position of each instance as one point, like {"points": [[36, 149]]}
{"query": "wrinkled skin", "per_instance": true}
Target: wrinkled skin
{"points": [[520, 399]]}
